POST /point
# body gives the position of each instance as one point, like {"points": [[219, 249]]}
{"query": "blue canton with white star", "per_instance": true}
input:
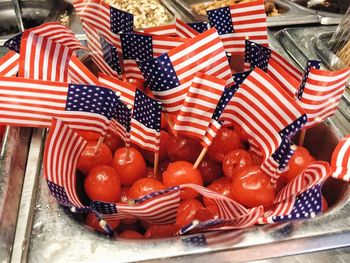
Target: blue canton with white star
{"points": [[221, 19], [310, 64], [136, 46], [59, 193], [104, 208], [258, 58], [14, 43], [90, 98], [224, 100], [159, 73], [265, 50], [283, 154], [110, 55], [155, 194], [123, 115], [195, 241], [307, 205], [199, 26], [121, 21], [147, 111], [238, 79]]}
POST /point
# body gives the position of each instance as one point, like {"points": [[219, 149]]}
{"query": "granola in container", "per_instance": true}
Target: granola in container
{"points": [[147, 13]]}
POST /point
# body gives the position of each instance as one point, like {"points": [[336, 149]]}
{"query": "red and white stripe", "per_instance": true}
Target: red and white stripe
{"points": [[199, 105], [9, 64], [97, 14], [283, 208], [286, 65], [249, 21], [144, 137], [183, 30], [160, 209], [212, 130], [43, 59], [203, 53], [78, 73], [33, 103], [94, 44], [57, 32], [126, 89], [340, 164], [322, 93], [116, 128], [314, 174], [165, 30], [262, 108], [62, 151]]}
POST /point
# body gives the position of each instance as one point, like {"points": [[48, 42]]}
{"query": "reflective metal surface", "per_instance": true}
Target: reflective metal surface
{"points": [[13, 158], [292, 15]]}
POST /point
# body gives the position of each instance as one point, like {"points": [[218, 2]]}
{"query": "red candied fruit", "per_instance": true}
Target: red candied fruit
{"points": [[225, 141]]}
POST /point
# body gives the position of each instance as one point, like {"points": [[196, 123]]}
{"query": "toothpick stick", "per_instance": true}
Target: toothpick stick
{"points": [[170, 124], [156, 164], [200, 157], [98, 145], [302, 137]]}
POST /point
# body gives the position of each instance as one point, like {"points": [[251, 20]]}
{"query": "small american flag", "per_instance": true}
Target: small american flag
{"points": [[145, 122], [215, 123], [183, 30], [200, 27], [140, 47], [9, 64], [104, 18], [284, 73], [283, 208], [126, 89], [321, 92], [62, 151], [239, 21], [97, 52], [78, 73], [263, 109], [340, 164], [170, 75], [213, 239], [121, 122], [159, 207], [315, 173], [164, 30], [199, 105], [43, 59], [110, 55], [306, 205], [34, 103], [316, 64]]}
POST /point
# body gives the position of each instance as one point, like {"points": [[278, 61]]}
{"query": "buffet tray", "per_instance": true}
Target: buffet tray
{"points": [[293, 15]]}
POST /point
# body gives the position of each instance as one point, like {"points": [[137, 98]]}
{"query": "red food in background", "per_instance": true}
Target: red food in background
{"points": [[251, 187], [124, 194], [182, 172], [89, 158], [210, 170], [144, 186], [225, 141], [89, 135], [221, 186], [163, 153], [103, 184], [299, 161], [186, 211], [92, 221], [2, 132], [324, 205], [130, 234], [160, 231], [204, 214], [243, 135], [234, 161], [112, 141], [183, 148], [129, 164]]}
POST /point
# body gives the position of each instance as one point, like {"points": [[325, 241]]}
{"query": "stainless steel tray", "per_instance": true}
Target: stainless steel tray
{"points": [[293, 15]]}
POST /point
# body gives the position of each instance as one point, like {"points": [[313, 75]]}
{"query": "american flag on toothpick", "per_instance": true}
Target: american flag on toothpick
{"points": [[126, 89], [145, 122], [170, 75], [263, 109], [239, 21], [306, 205], [9, 64], [171, 30], [340, 163], [283, 72], [156, 208], [98, 54], [120, 124], [199, 105], [62, 151], [213, 239], [140, 47], [78, 73], [200, 27], [32, 103], [107, 20], [320, 93]]}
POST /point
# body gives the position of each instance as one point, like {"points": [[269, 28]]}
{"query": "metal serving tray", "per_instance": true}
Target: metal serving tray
{"points": [[293, 15]]}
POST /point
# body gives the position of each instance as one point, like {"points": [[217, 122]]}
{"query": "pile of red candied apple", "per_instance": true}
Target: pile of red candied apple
{"points": [[118, 174]]}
